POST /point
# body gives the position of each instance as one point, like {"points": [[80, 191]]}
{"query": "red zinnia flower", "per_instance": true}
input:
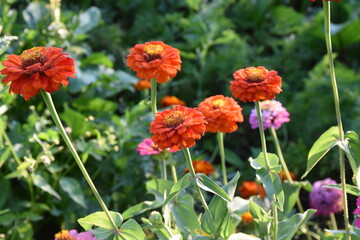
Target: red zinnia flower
{"points": [[247, 217], [142, 85], [202, 166], [154, 60], [170, 101], [37, 68], [221, 113], [177, 128], [255, 84], [250, 188]]}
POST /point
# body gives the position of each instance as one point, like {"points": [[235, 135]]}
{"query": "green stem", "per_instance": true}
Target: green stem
{"points": [[153, 95], [287, 172], [163, 167], [172, 166], [333, 221], [201, 196], [275, 221], [262, 133], [220, 138], [326, 7], [50, 105]]}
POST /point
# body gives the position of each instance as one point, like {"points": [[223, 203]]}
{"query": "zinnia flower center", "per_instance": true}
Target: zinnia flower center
{"points": [[152, 52], [174, 119], [255, 75], [32, 56], [218, 103], [64, 235]]}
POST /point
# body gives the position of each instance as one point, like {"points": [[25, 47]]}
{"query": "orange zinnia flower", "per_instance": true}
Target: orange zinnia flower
{"points": [[177, 128], [170, 101], [202, 166], [154, 60], [250, 188], [37, 68], [221, 113], [255, 84], [247, 217], [142, 85]]}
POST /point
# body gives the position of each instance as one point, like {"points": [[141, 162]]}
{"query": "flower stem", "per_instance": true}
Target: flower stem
{"points": [[153, 95], [262, 134], [201, 196], [287, 172], [172, 166], [326, 8], [50, 105], [333, 221], [275, 222], [220, 138]]}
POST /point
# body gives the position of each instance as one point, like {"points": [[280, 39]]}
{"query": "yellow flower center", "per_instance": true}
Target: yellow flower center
{"points": [[255, 75], [218, 103], [174, 119], [32, 56], [64, 235], [152, 52]]}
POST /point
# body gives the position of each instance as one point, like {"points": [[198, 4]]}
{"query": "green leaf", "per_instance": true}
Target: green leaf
{"points": [[352, 151], [88, 20], [204, 182], [41, 183], [72, 187], [131, 230], [100, 219], [291, 192], [76, 121], [97, 58], [273, 186], [158, 187], [326, 141], [5, 187], [183, 183], [140, 208], [353, 190], [261, 217], [260, 162], [184, 214], [199, 237], [219, 210], [289, 227]]}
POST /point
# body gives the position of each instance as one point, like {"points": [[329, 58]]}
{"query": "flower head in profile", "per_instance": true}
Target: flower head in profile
{"points": [[202, 166], [36, 69], [74, 235], [222, 113], [142, 85], [168, 101], [154, 60], [255, 84], [273, 115], [324, 199], [148, 147], [177, 128], [251, 188], [357, 212]]}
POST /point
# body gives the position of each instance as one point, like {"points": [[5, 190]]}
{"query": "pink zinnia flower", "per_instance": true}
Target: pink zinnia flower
{"points": [[148, 147], [273, 115], [357, 212], [324, 199], [74, 235]]}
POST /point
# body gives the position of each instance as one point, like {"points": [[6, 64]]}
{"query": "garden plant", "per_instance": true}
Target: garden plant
{"points": [[191, 119]]}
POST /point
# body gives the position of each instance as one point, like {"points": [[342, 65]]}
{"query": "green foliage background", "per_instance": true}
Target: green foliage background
{"points": [[215, 38]]}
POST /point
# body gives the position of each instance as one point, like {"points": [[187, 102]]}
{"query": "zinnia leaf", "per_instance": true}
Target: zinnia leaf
{"points": [[209, 185], [99, 219], [325, 142]]}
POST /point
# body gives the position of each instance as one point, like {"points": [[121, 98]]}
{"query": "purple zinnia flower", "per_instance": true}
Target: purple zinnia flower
{"points": [[148, 147], [357, 212], [324, 199], [74, 234], [273, 115]]}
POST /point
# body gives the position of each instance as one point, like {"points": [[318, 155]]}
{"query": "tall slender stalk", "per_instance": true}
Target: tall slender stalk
{"points": [[153, 95], [201, 196], [172, 166], [326, 8], [220, 138], [262, 133], [50, 105], [275, 222]]}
